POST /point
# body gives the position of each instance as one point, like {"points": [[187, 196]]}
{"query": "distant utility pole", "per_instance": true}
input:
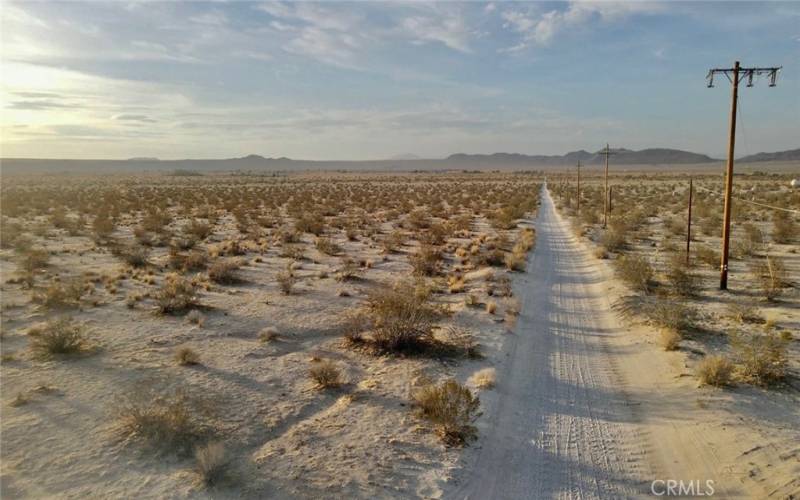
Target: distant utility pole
{"points": [[607, 152], [689, 223], [579, 187], [734, 75]]}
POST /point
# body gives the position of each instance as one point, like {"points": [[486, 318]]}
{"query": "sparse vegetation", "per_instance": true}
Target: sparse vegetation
{"points": [[58, 337], [326, 374], [451, 408], [715, 370]]}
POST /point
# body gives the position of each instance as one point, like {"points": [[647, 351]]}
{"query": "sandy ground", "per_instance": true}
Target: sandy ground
{"points": [[586, 407]]}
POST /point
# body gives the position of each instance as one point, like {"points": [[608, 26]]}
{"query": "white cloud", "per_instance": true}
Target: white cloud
{"points": [[541, 28], [448, 30]]}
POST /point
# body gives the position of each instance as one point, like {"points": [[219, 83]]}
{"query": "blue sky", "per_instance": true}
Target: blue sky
{"points": [[368, 80]]}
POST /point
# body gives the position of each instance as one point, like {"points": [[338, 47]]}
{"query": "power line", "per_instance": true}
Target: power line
{"points": [[752, 202]]}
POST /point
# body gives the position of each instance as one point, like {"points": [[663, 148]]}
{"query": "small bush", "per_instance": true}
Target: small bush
{"points": [[770, 273], [134, 256], [199, 230], [426, 261], [286, 281], [715, 370], [669, 339], [463, 341], [171, 420], [451, 407], [268, 334], [62, 294], [224, 272], [784, 229], [707, 256], [176, 295], [485, 378], [326, 246], [403, 319], [196, 318], [671, 315], [761, 359], [326, 374], [60, 336], [212, 463], [683, 281], [187, 357], [635, 271]]}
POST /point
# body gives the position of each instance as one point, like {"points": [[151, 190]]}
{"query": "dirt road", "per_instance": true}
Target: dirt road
{"points": [[564, 421]]}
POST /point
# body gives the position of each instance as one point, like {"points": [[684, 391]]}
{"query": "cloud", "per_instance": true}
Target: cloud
{"points": [[133, 118], [541, 28], [37, 105], [450, 31]]}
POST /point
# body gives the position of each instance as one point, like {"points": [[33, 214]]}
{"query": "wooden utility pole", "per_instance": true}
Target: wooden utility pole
{"points": [[610, 200], [579, 187], [607, 152], [733, 76], [689, 223]]}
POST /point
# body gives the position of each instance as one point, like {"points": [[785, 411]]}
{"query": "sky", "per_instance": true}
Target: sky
{"points": [[372, 80]]}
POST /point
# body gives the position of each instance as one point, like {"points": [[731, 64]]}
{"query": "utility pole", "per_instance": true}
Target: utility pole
{"points": [[689, 223], [610, 200], [733, 75], [579, 187], [607, 152]]}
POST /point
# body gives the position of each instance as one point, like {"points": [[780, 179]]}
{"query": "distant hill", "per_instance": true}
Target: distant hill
{"points": [[653, 156], [405, 156], [788, 155], [622, 158]]}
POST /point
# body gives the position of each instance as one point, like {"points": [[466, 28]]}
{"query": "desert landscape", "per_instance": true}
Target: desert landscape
{"points": [[280, 249], [335, 334]]}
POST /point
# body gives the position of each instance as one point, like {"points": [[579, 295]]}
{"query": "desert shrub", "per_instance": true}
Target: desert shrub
{"points": [[224, 272], [197, 229], [672, 315], [294, 252], [156, 220], [784, 229], [192, 261], [770, 274], [744, 313], [761, 359], [463, 342], [426, 261], [195, 317], [353, 327], [669, 339], [636, 272], [171, 420], [134, 256], [176, 295], [348, 271], [103, 226], [61, 294], [34, 259], [268, 334], [402, 318], [327, 246], [613, 238], [286, 281], [451, 407], [310, 223], [60, 336], [715, 370], [326, 374], [212, 463], [187, 357], [393, 241], [515, 260], [680, 277], [707, 256], [485, 378], [753, 234]]}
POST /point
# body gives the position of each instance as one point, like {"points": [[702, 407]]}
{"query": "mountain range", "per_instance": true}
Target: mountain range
{"points": [[406, 162]]}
